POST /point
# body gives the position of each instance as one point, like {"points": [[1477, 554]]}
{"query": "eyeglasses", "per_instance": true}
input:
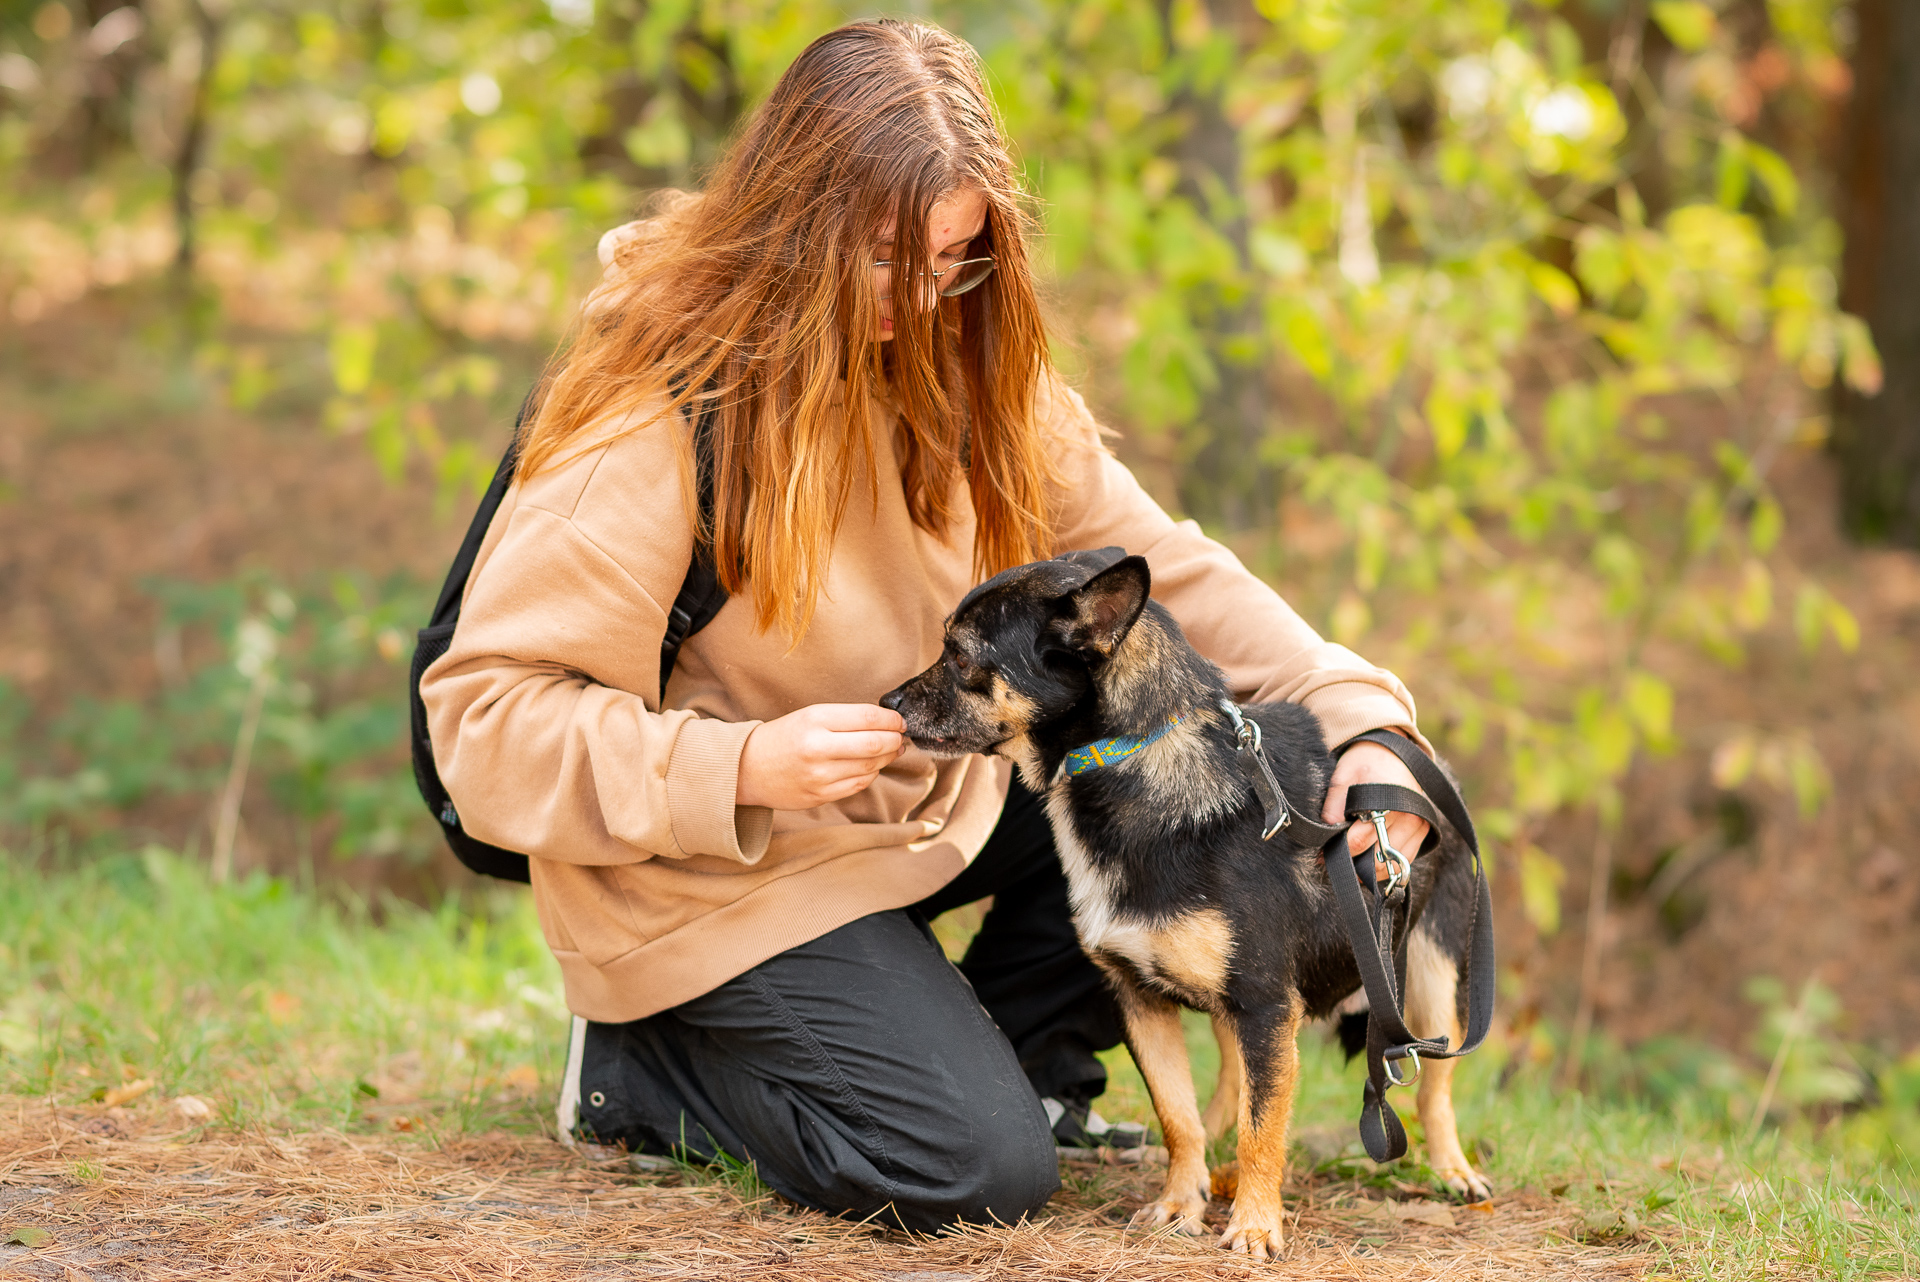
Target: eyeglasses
{"points": [[958, 279]]}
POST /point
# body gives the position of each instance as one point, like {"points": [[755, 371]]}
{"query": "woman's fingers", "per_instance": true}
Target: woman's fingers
{"points": [[853, 732], [856, 745], [848, 787], [1371, 763], [846, 717], [827, 773], [1405, 833]]}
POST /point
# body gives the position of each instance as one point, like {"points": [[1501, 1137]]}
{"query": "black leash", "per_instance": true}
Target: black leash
{"points": [[1370, 932]]}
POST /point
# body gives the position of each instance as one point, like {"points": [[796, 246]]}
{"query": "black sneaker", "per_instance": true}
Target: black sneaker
{"points": [[1078, 1129]]}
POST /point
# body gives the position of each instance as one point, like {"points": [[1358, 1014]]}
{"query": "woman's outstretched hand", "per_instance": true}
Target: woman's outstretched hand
{"points": [[1370, 763], [817, 754]]}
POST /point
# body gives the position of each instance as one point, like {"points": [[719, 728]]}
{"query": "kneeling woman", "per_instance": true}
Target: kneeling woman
{"points": [[736, 872]]}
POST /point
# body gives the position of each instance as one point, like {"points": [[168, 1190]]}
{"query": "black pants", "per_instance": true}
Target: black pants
{"points": [[862, 1074]]}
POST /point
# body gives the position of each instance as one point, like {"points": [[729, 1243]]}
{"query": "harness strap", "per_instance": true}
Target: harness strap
{"points": [[1371, 935]]}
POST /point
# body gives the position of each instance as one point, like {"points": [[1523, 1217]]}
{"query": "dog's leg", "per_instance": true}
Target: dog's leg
{"points": [[1433, 982], [1224, 1107], [1160, 1049], [1270, 1053]]}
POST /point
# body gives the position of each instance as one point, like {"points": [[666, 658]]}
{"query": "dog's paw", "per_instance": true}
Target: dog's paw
{"points": [[1254, 1234], [1182, 1215], [1467, 1184]]}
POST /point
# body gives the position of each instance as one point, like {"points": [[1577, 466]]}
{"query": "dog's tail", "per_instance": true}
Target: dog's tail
{"points": [[1350, 1018], [1353, 1034]]}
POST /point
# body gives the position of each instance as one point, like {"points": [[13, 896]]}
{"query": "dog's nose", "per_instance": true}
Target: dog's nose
{"points": [[893, 698]]}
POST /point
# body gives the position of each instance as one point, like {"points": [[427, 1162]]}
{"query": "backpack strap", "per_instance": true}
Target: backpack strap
{"points": [[699, 599], [446, 609], [700, 596]]}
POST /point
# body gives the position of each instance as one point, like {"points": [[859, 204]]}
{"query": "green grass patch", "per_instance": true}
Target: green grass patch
{"points": [[1833, 1194], [280, 1006], [288, 1008], [1827, 1192]]}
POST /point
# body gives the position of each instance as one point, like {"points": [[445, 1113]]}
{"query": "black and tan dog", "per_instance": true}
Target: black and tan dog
{"points": [[1067, 668]]}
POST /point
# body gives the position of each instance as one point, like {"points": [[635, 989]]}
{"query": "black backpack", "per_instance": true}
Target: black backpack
{"points": [[700, 598]]}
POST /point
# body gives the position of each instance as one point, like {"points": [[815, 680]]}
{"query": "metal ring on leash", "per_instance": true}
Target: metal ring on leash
{"points": [[1411, 1078], [1399, 869]]}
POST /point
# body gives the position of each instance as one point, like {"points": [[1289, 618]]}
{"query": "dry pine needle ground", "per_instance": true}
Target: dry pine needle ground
{"points": [[128, 1193]]}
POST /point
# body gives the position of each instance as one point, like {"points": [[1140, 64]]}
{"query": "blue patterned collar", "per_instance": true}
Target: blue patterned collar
{"points": [[1110, 752]]}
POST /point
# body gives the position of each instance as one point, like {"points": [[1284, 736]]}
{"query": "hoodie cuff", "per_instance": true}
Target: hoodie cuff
{"points": [[703, 778], [1349, 708]]}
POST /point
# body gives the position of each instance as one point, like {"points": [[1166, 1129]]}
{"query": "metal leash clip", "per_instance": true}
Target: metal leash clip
{"points": [[1410, 1078], [1399, 870], [1278, 814]]}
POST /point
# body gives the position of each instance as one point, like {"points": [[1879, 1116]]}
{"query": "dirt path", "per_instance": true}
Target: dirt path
{"points": [[123, 1193]]}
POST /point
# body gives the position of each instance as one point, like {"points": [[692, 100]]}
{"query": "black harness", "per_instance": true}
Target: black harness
{"points": [[1371, 927]]}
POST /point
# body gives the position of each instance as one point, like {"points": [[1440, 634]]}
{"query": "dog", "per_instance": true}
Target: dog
{"points": [[1175, 893]]}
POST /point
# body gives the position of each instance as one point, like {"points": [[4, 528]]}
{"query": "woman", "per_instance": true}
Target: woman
{"points": [[736, 873]]}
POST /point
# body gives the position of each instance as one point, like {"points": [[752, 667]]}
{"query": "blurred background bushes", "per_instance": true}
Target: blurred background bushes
{"points": [[1530, 348]]}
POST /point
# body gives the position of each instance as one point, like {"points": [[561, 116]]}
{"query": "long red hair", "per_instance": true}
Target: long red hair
{"points": [[760, 293]]}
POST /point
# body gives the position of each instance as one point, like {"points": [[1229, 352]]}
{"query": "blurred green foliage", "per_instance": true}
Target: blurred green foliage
{"points": [[1524, 298], [327, 664]]}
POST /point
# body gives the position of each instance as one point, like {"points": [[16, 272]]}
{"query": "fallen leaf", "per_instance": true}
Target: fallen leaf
{"points": [[131, 1091], [524, 1078], [29, 1238], [403, 1123], [595, 1152], [282, 1008], [1438, 1214], [193, 1108], [1484, 1207], [1604, 1222]]}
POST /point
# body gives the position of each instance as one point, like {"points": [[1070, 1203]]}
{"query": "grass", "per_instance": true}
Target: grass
{"points": [[289, 1009], [280, 1006]]}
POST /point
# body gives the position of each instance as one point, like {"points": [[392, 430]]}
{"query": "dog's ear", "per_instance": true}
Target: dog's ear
{"points": [[1096, 617], [1092, 561]]}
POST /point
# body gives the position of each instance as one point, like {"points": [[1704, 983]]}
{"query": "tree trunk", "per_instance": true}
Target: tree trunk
{"points": [[193, 138], [1223, 480], [1877, 440]]}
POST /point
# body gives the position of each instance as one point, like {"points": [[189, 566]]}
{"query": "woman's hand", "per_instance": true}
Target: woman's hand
{"points": [[818, 754], [1370, 763]]}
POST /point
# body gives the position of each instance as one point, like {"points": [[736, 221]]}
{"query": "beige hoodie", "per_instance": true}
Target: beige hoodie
{"points": [[652, 885]]}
